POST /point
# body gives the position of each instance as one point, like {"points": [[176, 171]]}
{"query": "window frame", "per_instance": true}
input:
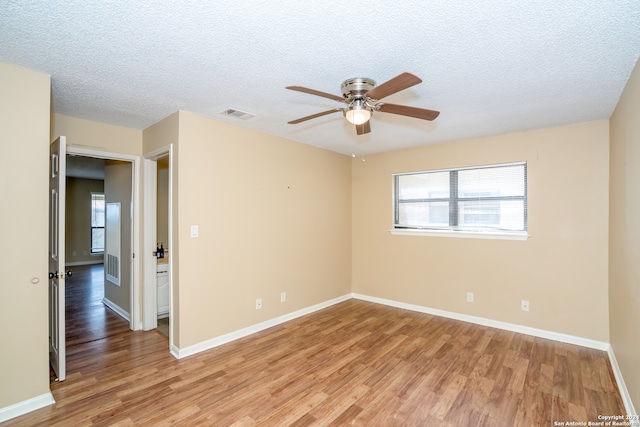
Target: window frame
{"points": [[453, 200], [92, 251]]}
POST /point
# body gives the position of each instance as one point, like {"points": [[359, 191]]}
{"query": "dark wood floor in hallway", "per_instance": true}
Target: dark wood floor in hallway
{"points": [[355, 363], [87, 318]]}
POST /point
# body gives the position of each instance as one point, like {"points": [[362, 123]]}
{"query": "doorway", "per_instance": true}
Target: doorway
{"points": [[121, 181], [97, 303], [162, 249], [158, 272], [133, 236]]}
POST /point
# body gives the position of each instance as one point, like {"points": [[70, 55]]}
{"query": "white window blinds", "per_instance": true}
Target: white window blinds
{"points": [[487, 198]]}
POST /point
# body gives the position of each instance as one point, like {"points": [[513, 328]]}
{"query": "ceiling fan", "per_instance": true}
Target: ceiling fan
{"points": [[362, 97]]}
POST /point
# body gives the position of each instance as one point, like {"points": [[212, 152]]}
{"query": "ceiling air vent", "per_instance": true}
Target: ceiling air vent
{"points": [[237, 114]]}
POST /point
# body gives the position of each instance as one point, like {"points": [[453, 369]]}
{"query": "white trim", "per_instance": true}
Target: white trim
{"points": [[115, 307], [179, 353], [497, 165], [135, 319], [158, 153], [26, 406], [555, 336], [170, 234], [78, 263], [494, 235], [624, 392], [175, 351], [149, 231]]}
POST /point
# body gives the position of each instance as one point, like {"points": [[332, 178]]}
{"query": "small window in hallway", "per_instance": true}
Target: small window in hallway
{"points": [[97, 223]]}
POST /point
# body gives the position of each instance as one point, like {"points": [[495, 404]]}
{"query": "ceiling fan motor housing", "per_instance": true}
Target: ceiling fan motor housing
{"points": [[356, 88]]}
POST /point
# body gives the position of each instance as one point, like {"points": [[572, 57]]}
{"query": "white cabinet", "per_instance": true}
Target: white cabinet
{"points": [[163, 289]]}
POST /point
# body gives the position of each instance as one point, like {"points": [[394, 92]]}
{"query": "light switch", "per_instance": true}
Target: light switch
{"points": [[194, 231]]}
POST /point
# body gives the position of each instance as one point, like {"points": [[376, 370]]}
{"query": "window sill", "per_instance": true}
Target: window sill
{"points": [[492, 235]]}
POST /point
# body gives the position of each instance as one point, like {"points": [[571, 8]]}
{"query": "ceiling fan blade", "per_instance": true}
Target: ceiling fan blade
{"points": [[405, 110], [396, 84], [364, 128], [316, 92], [313, 116]]}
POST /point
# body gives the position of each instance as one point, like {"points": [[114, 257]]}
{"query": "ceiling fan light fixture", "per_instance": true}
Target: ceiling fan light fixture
{"points": [[362, 97], [357, 113]]}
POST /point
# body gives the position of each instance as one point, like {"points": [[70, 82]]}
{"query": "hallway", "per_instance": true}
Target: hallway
{"points": [[87, 318]]}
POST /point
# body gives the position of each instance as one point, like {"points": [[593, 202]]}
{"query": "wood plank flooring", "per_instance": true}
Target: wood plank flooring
{"points": [[87, 318], [355, 363]]}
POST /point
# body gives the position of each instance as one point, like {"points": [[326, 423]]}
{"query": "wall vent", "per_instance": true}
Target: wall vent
{"points": [[112, 243], [242, 115]]}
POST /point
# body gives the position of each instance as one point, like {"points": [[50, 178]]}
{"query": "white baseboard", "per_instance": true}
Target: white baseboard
{"points": [[76, 263], [624, 392], [115, 307], [179, 353], [174, 351], [26, 406], [555, 336]]}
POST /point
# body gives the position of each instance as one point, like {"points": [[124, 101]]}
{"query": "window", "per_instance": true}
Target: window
{"points": [[479, 199], [97, 223]]}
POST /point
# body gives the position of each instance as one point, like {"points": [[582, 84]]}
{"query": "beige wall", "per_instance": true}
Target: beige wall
{"points": [[624, 238], [24, 168], [161, 134], [561, 269], [274, 216], [97, 136], [117, 189], [78, 220]]}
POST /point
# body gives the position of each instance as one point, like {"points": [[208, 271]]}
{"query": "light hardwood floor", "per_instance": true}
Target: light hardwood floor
{"points": [[356, 363]]}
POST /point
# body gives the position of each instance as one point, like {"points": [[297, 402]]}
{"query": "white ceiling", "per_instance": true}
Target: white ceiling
{"points": [[490, 67]]}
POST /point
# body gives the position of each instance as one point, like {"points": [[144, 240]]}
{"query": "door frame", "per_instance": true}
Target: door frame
{"points": [[150, 189], [135, 322]]}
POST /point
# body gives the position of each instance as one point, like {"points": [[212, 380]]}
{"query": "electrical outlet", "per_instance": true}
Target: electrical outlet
{"points": [[258, 303], [283, 296], [524, 305], [469, 296]]}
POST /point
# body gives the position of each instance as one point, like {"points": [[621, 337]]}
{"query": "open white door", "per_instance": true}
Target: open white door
{"points": [[57, 182]]}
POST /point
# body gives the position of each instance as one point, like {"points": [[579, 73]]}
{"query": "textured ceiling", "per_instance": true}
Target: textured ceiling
{"points": [[490, 67]]}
